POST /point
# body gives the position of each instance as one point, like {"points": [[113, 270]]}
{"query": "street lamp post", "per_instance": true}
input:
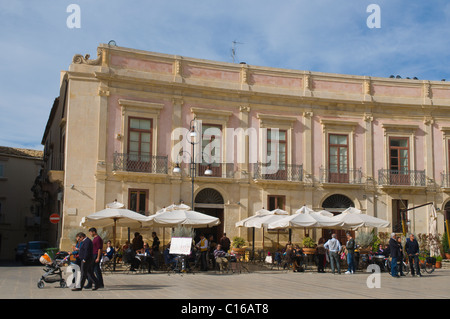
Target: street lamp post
{"points": [[193, 135]]}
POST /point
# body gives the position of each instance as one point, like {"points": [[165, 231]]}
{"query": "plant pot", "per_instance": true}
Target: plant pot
{"points": [[309, 251], [364, 251], [447, 255], [238, 251], [438, 264]]}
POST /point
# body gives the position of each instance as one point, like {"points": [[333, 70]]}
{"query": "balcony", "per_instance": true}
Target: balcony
{"points": [[289, 172], [351, 176], [140, 163], [414, 178]]}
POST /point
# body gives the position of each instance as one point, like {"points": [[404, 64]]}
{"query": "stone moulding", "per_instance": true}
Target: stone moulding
{"points": [[80, 59]]}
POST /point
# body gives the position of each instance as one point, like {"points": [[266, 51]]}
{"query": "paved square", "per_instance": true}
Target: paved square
{"points": [[20, 282]]}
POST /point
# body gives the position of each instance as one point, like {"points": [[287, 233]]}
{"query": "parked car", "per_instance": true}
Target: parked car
{"points": [[19, 251], [33, 251]]}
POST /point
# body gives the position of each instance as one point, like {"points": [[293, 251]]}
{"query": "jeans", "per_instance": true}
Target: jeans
{"points": [[394, 269], [334, 259], [415, 265], [351, 262]]}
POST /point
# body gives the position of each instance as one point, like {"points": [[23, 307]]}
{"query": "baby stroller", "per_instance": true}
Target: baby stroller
{"points": [[53, 272]]}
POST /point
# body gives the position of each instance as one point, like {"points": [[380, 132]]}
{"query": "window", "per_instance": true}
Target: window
{"points": [[281, 157], [139, 144], [211, 150], [2, 170], [276, 201], [399, 160], [137, 201], [338, 158]]}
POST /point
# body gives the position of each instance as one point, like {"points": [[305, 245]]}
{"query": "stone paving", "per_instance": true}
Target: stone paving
{"points": [[20, 282]]}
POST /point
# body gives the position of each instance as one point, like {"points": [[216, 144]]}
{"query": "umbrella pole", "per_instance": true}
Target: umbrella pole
{"points": [[278, 239], [114, 241], [253, 246], [263, 238]]}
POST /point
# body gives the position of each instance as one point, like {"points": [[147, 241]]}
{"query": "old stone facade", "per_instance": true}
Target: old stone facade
{"points": [[378, 144]]}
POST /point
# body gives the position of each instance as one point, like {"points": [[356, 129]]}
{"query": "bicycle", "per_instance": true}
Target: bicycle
{"points": [[405, 266], [429, 265]]}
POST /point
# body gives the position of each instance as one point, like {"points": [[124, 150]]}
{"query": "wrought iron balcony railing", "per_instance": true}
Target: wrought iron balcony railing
{"points": [[288, 172], [350, 176], [140, 163], [402, 177]]}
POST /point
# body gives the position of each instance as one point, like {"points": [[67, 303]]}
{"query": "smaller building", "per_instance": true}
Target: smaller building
{"points": [[20, 214]]}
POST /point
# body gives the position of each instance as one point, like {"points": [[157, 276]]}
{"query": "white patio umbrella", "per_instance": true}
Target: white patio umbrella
{"points": [[115, 217], [174, 207], [306, 218], [262, 218], [177, 217], [352, 218]]}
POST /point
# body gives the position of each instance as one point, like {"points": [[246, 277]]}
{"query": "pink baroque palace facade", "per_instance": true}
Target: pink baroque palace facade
{"points": [[122, 123]]}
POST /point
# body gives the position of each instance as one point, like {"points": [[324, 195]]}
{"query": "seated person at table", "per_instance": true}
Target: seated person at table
{"points": [[129, 257], [298, 258], [380, 250], [109, 254], [144, 254], [219, 255], [169, 259]]}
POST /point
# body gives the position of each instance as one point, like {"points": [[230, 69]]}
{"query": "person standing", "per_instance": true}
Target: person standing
{"points": [[97, 251], [138, 242], [412, 251], [203, 247], [320, 252], [394, 251], [400, 257], [350, 246], [155, 249], [334, 246], [86, 259], [225, 243]]}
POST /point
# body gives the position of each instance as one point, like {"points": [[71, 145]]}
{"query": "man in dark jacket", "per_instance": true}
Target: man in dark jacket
{"points": [[412, 250], [394, 249], [87, 261]]}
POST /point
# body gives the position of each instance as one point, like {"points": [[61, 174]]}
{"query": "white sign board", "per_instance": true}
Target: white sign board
{"points": [[180, 245]]}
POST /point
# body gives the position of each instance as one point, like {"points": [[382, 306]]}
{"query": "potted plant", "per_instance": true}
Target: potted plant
{"points": [[365, 241], [445, 246], [438, 262], [238, 245], [308, 245]]}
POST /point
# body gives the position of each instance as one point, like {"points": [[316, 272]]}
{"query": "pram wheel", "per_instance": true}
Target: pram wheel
{"points": [[62, 284], [40, 284]]}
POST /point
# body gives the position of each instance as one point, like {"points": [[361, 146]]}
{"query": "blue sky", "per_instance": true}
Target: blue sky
{"points": [[325, 36]]}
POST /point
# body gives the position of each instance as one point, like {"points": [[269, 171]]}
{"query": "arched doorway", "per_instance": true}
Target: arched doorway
{"points": [[209, 201], [336, 204], [446, 214]]}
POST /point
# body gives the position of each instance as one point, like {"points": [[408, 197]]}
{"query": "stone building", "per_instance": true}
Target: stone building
{"points": [[21, 218], [122, 124]]}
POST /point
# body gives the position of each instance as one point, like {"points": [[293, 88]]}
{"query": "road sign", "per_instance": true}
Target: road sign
{"points": [[54, 218]]}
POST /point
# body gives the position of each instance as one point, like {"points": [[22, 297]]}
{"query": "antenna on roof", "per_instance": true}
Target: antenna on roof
{"points": [[233, 50]]}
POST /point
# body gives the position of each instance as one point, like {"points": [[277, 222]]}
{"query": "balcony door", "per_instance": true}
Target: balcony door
{"points": [[139, 144], [399, 160], [211, 150], [338, 159], [281, 173]]}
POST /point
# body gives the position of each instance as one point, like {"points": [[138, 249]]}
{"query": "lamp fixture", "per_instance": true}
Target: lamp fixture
{"points": [[208, 171], [177, 169]]}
